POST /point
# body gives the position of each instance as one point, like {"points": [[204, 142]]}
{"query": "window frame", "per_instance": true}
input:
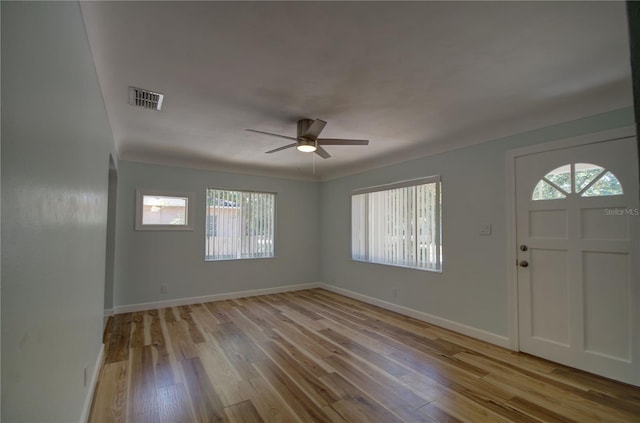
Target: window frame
{"points": [[437, 180], [206, 225], [573, 190], [140, 226]]}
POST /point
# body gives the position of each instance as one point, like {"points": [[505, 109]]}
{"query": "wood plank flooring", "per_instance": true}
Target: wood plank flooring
{"points": [[315, 356]]}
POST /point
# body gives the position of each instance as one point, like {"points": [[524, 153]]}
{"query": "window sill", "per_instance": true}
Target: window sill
{"points": [[163, 228], [422, 269], [209, 260]]}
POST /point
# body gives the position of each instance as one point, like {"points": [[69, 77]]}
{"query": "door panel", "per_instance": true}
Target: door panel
{"points": [[606, 310], [548, 224], [598, 225], [549, 296], [579, 287]]}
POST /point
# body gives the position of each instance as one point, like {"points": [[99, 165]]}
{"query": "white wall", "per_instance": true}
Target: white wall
{"points": [[56, 142], [472, 289], [147, 259]]}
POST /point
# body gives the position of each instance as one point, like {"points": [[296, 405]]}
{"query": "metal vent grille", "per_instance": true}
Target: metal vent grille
{"points": [[140, 97]]}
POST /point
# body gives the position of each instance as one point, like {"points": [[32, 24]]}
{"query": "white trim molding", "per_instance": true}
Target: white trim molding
{"points": [[511, 156], [92, 384], [463, 329], [476, 333], [214, 297]]}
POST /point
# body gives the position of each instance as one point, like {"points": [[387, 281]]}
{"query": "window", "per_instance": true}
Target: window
{"points": [[163, 211], [398, 224], [239, 225], [584, 179]]}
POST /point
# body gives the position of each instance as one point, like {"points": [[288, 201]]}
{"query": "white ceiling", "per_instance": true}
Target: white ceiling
{"points": [[414, 78]]}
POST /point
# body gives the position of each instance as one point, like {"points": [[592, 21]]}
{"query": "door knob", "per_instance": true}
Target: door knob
{"points": [[523, 263], [523, 247]]}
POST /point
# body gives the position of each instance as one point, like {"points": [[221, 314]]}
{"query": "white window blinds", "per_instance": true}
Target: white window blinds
{"points": [[398, 224], [239, 225]]}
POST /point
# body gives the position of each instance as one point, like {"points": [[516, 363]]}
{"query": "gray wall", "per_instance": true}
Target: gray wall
{"points": [[472, 289], [633, 17], [0, 235], [110, 256], [147, 259], [56, 142]]}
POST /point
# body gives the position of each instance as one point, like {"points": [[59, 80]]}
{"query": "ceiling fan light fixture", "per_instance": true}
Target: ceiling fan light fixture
{"points": [[307, 146], [307, 139]]}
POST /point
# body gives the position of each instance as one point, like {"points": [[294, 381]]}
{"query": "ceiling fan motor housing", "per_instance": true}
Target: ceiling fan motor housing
{"points": [[305, 143], [303, 125]]}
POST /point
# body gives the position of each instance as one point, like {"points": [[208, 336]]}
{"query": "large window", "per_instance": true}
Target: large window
{"points": [[398, 224], [239, 225]]}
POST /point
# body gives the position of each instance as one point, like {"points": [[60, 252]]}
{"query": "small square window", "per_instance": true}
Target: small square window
{"points": [[163, 211]]}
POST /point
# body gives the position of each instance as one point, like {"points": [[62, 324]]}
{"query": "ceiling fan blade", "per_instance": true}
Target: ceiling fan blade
{"points": [[273, 135], [338, 141], [314, 130], [322, 153], [282, 148]]}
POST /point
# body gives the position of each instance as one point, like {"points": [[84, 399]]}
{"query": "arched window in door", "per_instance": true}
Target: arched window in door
{"points": [[583, 179]]}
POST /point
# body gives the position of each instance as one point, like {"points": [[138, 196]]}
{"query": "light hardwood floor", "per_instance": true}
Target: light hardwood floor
{"points": [[315, 356]]}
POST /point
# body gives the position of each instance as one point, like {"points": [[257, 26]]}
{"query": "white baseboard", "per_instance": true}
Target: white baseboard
{"points": [[86, 408], [108, 312], [214, 297], [490, 337], [483, 335]]}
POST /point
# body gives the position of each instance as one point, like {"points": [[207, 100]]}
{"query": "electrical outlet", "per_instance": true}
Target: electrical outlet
{"points": [[485, 229], [394, 292], [163, 288]]}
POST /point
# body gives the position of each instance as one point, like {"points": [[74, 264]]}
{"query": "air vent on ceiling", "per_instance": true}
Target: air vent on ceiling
{"points": [[140, 97]]}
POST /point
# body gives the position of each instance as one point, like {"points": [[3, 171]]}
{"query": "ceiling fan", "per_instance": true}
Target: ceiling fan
{"points": [[307, 140]]}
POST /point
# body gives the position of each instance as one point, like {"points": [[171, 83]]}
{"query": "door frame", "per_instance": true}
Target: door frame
{"points": [[511, 156], [109, 273]]}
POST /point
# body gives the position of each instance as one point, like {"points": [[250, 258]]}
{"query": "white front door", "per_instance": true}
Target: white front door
{"points": [[577, 237]]}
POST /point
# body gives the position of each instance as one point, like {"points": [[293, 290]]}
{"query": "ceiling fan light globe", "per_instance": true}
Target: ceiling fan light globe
{"points": [[307, 146]]}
